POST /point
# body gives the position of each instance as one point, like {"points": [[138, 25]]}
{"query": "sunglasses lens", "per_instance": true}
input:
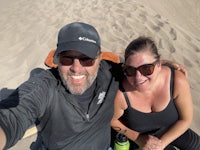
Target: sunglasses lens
{"points": [[130, 71], [66, 61], [84, 61], [87, 61], [146, 70]]}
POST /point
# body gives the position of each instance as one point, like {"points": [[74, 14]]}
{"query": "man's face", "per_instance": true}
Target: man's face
{"points": [[77, 71]]}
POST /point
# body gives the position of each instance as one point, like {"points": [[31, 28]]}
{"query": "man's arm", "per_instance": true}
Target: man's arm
{"points": [[2, 139]]}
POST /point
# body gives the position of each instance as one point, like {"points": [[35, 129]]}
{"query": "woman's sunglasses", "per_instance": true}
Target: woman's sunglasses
{"points": [[145, 70], [84, 60]]}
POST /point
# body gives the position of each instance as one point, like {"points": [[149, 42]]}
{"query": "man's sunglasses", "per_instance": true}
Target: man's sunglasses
{"points": [[145, 70], [84, 60]]}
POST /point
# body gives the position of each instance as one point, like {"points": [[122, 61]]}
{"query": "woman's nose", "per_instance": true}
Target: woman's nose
{"points": [[138, 74]]}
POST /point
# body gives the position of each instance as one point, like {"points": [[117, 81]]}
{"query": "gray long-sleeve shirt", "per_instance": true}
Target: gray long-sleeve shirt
{"points": [[63, 124]]}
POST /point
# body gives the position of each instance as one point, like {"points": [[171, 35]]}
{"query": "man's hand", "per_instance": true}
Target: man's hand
{"points": [[2, 139], [175, 66]]}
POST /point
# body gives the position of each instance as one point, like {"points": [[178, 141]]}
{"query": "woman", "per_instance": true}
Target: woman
{"points": [[153, 106]]}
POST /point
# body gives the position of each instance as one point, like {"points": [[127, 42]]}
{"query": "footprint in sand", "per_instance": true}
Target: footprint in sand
{"points": [[160, 45], [195, 48], [173, 34], [155, 23], [172, 48], [170, 31]]}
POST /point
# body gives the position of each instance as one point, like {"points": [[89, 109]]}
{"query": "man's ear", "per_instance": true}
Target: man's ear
{"points": [[100, 56]]}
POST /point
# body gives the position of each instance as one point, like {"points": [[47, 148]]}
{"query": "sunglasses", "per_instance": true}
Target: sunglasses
{"points": [[145, 70], [84, 61]]}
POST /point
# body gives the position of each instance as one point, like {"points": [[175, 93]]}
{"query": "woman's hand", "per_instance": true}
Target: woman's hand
{"points": [[149, 142]]}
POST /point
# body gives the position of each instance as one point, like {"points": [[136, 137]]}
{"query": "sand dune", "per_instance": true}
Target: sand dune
{"points": [[28, 31]]}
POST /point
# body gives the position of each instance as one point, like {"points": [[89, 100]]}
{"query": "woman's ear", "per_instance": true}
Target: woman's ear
{"points": [[159, 63]]}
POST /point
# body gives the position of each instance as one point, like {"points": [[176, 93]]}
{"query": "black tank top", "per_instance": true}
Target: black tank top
{"points": [[155, 123]]}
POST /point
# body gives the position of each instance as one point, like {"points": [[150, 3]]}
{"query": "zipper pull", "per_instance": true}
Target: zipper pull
{"points": [[87, 117]]}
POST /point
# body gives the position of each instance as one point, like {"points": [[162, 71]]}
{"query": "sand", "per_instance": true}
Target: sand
{"points": [[28, 31]]}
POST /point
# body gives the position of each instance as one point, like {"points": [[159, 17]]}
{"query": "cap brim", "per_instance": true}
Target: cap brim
{"points": [[89, 49]]}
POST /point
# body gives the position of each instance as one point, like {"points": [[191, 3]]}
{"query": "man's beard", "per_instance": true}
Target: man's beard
{"points": [[78, 90]]}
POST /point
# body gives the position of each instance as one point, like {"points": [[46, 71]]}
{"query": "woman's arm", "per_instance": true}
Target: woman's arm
{"points": [[119, 107], [183, 102], [143, 141]]}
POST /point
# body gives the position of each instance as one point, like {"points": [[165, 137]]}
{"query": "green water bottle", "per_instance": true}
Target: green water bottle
{"points": [[121, 142]]}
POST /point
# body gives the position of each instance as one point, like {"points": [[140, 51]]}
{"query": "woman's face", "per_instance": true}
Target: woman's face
{"points": [[142, 69]]}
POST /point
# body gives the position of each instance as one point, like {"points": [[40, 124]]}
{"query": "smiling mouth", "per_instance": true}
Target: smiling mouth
{"points": [[141, 82], [78, 77]]}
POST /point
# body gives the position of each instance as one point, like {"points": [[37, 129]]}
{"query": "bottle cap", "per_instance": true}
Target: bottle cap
{"points": [[121, 137]]}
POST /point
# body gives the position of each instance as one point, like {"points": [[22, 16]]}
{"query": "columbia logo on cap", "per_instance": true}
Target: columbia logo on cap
{"points": [[86, 39]]}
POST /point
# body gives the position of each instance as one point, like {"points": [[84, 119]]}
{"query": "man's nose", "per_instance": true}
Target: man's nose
{"points": [[76, 64]]}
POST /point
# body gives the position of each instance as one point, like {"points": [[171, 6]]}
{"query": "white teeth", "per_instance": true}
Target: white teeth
{"points": [[141, 82], [77, 77]]}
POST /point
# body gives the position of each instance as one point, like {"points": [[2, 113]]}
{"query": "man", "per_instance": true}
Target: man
{"points": [[73, 103]]}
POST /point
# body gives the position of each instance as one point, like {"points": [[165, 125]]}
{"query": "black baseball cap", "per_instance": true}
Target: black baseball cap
{"points": [[80, 37]]}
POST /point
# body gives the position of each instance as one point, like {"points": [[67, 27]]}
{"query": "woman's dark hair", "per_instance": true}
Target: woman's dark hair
{"points": [[140, 44]]}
